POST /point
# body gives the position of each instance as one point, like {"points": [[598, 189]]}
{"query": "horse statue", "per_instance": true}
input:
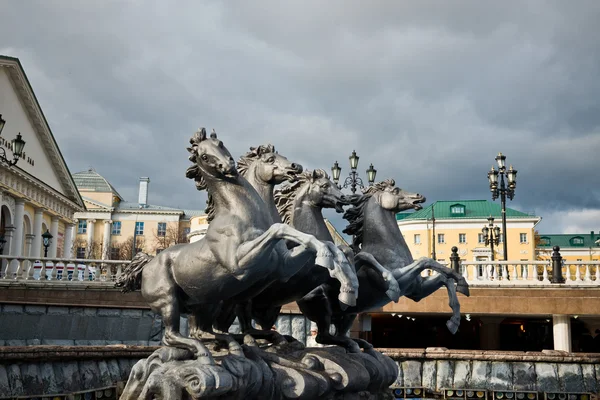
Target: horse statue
{"points": [[240, 248], [372, 222], [301, 205]]}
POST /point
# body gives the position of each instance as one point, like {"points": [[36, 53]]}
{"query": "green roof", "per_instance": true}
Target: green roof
{"points": [[569, 240], [91, 180], [473, 209]]}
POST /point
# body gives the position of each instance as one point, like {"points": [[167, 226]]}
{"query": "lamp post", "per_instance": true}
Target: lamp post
{"points": [[17, 145], [491, 235], [47, 240], [500, 189], [353, 180]]}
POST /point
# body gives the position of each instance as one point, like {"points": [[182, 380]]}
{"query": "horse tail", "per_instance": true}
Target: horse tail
{"points": [[131, 278]]}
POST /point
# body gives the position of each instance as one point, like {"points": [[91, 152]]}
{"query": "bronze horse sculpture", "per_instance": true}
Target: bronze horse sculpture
{"points": [[300, 204], [372, 222], [240, 248]]}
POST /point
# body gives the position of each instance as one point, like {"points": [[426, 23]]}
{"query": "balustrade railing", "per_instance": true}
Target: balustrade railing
{"points": [[529, 272], [64, 270]]}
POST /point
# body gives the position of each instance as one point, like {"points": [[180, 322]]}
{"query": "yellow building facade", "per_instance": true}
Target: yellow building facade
{"points": [[444, 224], [573, 247], [112, 228]]}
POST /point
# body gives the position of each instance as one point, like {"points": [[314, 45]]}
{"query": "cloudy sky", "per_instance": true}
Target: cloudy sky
{"points": [[429, 92]]}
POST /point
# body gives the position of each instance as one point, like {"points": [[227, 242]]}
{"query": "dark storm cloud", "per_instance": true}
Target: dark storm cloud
{"points": [[427, 92]]}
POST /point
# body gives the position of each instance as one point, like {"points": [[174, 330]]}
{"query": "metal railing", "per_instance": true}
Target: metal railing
{"points": [[63, 270]]}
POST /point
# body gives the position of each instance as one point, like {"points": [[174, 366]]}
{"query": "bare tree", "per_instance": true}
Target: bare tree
{"points": [[171, 237], [125, 248]]}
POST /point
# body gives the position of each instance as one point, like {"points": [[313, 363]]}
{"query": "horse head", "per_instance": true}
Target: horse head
{"points": [[211, 159], [268, 165], [322, 192], [392, 198]]}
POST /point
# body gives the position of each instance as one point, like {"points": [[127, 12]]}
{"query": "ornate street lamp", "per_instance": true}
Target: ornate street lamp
{"points": [[47, 240], [353, 181], [17, 145], [491, 235], [499, 189]]}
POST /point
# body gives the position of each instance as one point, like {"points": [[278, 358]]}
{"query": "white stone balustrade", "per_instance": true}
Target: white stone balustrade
{"points": [[61, 270], [524, 273]]}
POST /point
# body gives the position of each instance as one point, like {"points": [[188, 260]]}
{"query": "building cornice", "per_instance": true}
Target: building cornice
{"points": [[21, 185], [38, 121], [402, 222]]}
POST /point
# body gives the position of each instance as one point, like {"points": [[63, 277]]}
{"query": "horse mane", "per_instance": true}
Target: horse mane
{"points": [[355, 215], [255, 152], [284, 197], [194, 171]]}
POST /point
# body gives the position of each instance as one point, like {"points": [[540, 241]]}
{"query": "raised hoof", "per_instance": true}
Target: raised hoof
{"points": [[393, 293], [348, 298], [325, 260], [463, 288], [452, 326]]}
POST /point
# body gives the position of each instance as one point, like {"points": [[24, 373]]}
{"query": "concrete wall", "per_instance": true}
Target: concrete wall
{"points": [[23, 325]]}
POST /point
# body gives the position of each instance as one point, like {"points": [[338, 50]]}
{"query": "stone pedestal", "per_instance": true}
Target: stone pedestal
{"points": [[287, 371]]}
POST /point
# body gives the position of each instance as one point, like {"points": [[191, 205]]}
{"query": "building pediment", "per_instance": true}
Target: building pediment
{"points": [[42, 159]]}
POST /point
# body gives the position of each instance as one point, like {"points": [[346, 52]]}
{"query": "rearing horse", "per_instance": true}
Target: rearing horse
{"points": [[373, 225], [240, 248]]}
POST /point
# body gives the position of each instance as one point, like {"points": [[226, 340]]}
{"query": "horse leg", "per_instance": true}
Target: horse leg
{"points": [[316, 307], [169, 310], [432, 283], [160, 292], [200, 331], [367, 260], [406, 275], [461, 284], [343, 325]]}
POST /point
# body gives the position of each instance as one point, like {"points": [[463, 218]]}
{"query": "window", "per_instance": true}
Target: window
{"points": [[577, 241], [457, 210], [116, 227], [579, 259], [441, 238], [81, 252], [417, 238], [186, 231], [82, 227], [481, 238], [523, 237], [139, 228], [462, 238], [162, 229], [114, 253], [501, 238]]}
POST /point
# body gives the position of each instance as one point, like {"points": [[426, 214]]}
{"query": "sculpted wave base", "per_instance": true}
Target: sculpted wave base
{"points": [[289, 371]]}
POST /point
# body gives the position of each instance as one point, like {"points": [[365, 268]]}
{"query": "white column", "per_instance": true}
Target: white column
{"points": [[106, 239], [8, 236], [17, 245], [54, 233], [68, 242], [38, 218], [90, 236], [28, 244], [561, 328]]}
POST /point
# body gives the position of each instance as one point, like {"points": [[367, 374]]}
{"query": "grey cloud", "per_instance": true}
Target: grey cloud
{"points": [[428, 92]]}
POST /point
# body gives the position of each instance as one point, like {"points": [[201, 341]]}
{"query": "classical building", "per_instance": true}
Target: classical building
{"points": [[573, 247], [460, 223], [37, 194], [112, 228]]}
